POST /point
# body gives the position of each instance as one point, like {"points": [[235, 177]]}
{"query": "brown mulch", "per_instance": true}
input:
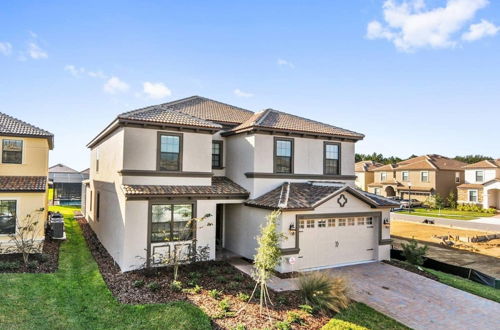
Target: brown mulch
{"points": [[410, 268], [45, 262], [135, 288]]}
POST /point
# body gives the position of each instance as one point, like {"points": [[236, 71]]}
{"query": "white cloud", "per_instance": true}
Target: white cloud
{"points": [[156, 90], [410, 25], [79, 71], [480, 30], [114, 85], [73, 70], [241, 93], [35, 52], [282, 62], [97, 74], [5, 48]]}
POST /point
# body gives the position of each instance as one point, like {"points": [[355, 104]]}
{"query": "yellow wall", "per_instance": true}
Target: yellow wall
{"points": [[35, 158], [26, 204]]}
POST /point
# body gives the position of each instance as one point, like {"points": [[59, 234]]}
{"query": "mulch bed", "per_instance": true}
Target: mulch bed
{"points": [[411, 268], [45, 262], [153, 286]]}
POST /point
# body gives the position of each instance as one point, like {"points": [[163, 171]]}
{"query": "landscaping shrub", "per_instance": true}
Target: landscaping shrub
{"points": [[33, 264], [232, 286], [225, 305], [413, 253], [323, 292], [243, 296], [9, 265], [215, 293], [154, 286], [42, 257], [221, 279], [176, 286], [307, 309], [238, 277], [294, 317], [336, 324], [282, 325], [240, 327], [138, 283]]}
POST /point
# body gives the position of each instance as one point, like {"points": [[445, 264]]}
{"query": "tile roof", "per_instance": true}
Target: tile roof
{"points": [[470, 186], [416, 188], [277, 120], [425, 162], [23, 183], [484, 164], [61, 168], [192, 111], [388, 167], [13, 126], [366, 166], [308, 195], [221, 186]]}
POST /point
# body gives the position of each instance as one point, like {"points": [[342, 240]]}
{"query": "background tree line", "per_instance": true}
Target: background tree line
{"points": [[380, 158]]}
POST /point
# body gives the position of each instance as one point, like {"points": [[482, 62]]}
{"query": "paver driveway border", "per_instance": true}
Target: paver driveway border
{"points": [[416, 301]]}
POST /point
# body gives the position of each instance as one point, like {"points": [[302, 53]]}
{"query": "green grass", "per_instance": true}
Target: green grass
{"points": [[50, 196], [76, 297], [467, 285], [362, 315], [447, 214]]}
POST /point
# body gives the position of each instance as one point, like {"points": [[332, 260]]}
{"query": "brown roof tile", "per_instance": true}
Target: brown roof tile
{"points": [[307, 195], [415, 188], [23, 183], [274, 119], [13, 126], [425, 162], [484, 164], [221, 186], [470, 186], [366, 166]]}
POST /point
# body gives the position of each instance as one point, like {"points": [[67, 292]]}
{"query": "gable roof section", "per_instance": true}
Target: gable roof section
{"points": [[61, 168], [366, 166], [15, 127], [275, 120], [484, 164], [425, 162], [309, 195]]}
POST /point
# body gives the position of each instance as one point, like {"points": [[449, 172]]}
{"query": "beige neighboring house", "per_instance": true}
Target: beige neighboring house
{"points": [[23, 177], [421, 176], [155, 168], [364, 173], [482, 184]]}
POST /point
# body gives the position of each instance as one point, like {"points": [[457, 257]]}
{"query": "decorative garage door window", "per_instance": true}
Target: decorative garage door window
{"points": [[171, 222], [7, 217], [332, 222]]}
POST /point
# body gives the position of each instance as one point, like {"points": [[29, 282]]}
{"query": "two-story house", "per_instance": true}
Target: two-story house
{"points": [[23, 177], [364, 171], [482, 184], [420, 176], [154, 169]]}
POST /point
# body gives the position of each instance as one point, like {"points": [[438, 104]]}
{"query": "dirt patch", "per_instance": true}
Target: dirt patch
{"points": [[432, 234], [198, 284], [45, 262]]}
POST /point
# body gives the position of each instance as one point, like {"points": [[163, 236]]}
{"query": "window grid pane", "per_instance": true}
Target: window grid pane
{"points": [[7, 217], [12, 151], [169, 153]]}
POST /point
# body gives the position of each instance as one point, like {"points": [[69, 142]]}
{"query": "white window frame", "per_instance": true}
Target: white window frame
{"points": [[383, 176], [342, 222], [331, 222], [23, 153], [482, 176], [302, 223], [351, 221], [17, 212], [422, 176], [321, 223], [369, 221], [310, 223], [477, 195], [360, 221], [403, 176]]}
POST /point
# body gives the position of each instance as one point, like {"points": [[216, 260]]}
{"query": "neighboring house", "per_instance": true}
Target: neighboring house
{"points": [[364, 173], [23, 176], [421, 176], [66, 184], [482, 184], [154, 169]]}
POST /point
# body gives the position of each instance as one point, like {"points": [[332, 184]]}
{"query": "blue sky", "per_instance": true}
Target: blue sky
{"points": [[415, 77]]}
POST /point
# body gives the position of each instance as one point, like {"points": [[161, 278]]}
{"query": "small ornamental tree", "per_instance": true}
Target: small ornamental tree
{"points": [[413, 253], [25, 238], [267, 257], [452, 200]]}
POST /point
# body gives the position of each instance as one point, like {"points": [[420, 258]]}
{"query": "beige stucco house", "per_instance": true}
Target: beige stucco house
{"points": [[421, 176], [155, 168], [23, 177], [364, 171], [482, 184]]}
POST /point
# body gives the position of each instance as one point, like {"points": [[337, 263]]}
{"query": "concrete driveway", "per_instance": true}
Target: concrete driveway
{"points": [[416, 301]]}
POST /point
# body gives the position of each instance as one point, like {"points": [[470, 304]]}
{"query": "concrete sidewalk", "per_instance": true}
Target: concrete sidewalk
{"points": [[459, 224]]}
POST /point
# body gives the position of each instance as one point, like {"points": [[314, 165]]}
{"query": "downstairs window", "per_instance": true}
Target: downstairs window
{"points": [[8, 217], [171, 222]]}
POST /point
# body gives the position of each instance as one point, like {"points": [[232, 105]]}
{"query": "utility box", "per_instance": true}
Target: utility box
{"points": [[56, 223]]}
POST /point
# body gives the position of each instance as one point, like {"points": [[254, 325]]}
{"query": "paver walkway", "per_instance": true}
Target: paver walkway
{"points": [[416, 301]]}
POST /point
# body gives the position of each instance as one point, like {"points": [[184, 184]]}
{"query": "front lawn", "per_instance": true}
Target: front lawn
{"points": [[364, 316], [76, 297], [446, 213], [467, 285]]}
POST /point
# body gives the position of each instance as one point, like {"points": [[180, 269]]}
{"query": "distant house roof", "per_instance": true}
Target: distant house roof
{"points": [[10, 126], [61, 168], [61, 173], [484, 164], [366, 166], [309, 195], [220, 187], [425, 162], [23, 183], [86, 171], [278, 120]]}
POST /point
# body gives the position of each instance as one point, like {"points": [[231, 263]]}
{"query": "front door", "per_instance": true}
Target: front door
{"points": [[219, 226]]}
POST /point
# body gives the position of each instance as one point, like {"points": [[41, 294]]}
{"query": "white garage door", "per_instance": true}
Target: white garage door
{"points": [[334, 241]]}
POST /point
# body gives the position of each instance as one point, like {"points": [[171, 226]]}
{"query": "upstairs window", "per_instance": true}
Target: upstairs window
{"points": [[457, 177], [479, 176], [217, 154], [424, 176], [171, 222], [8, 217], [283, 156], [169, 158], [12, 151], [405, 175], [332, 158], [383, 176]]}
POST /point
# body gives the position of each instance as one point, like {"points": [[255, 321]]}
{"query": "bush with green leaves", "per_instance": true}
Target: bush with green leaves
{"points": [[154, 286], [282, 325], [413, 253], [451, 200], [307, 309], [239, 326], [242, 296], [216, 294], [336, 324], [176, 286], [323, 292], [294, 318], [138, 283], [9, 265], [225, 305]]}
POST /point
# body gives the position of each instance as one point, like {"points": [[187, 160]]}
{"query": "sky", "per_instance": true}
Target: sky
{"points": [[416, 77]]}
